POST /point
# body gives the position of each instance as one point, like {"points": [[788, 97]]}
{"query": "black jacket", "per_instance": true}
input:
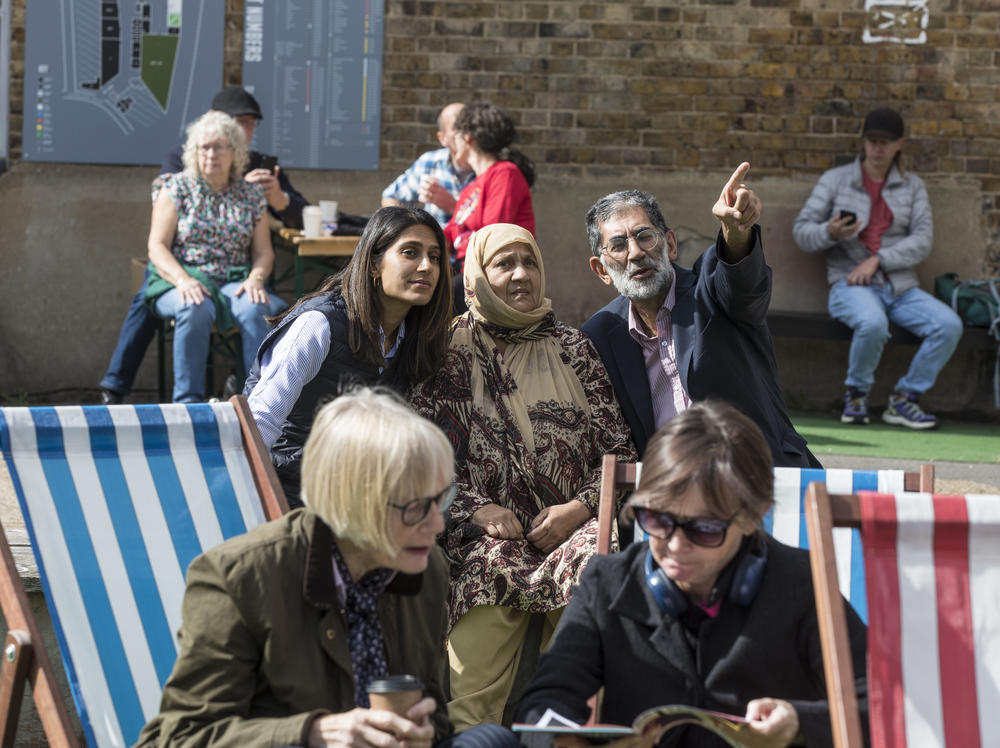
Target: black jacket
{"points": [[614, 634]]}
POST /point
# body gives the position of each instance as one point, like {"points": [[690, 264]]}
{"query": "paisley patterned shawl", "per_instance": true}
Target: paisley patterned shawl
{"points": [[529, 427]]}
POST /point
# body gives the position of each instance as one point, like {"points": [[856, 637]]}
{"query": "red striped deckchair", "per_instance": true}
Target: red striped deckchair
{"points": [[932, 566]]}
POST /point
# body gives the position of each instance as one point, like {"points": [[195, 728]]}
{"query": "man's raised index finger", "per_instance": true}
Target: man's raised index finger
{"points": [[741, 171]]}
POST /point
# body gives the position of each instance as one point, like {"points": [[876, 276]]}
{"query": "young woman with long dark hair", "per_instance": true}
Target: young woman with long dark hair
{"points": [[383, 319]]}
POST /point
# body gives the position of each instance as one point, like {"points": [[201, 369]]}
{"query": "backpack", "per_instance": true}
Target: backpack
{"points": [[978, 304]]}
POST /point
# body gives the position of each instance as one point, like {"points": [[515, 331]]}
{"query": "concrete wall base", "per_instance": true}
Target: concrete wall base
{"points": [[71, 230]]}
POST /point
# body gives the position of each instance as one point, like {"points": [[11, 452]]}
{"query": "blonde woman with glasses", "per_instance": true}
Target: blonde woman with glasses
{"points": [[285, 628]]}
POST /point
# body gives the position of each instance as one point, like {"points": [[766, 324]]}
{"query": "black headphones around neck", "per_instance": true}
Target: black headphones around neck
{"points": [[743, 589]]}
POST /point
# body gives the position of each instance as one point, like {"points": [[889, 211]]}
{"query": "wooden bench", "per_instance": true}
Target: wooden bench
{"points": [[821, 325]]}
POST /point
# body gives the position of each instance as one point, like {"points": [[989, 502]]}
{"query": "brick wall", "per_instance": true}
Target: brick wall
{"points": [[628, 87]]}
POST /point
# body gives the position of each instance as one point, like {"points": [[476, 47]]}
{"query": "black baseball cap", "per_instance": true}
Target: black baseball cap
{"points": [[236, 101], [885, 122]]}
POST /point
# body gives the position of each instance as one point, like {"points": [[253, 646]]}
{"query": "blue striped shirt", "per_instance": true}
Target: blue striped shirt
{"points": [[438, 165]]}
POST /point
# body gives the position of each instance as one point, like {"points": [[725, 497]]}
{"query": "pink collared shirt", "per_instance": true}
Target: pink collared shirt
{"points": [[665, 387]]}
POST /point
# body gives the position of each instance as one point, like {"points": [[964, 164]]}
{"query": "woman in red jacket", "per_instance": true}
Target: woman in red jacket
{"points": [[500, 193]]}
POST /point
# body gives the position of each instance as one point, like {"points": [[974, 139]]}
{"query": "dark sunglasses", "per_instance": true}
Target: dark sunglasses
{"points": [[416, 510], [707, 532]]}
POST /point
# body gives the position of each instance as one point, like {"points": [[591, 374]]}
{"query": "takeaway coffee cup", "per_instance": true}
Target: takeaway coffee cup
{"points": [[312, 221], [328, 209], [397, 693]]}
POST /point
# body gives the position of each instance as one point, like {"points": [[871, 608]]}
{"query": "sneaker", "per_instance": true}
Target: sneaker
{"points": [[904, 410], [855, 407]]}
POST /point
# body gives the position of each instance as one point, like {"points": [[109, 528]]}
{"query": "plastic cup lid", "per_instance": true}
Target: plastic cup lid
{"points": [[395, 683]]}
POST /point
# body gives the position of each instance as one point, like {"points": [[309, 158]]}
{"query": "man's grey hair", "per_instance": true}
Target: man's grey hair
{"points": [[611, 205]]}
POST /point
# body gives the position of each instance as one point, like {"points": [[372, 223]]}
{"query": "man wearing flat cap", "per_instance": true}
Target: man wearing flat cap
{"points": [[873, 219], [283, 201]]}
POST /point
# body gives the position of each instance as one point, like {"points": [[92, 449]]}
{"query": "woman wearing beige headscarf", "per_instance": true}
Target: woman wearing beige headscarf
{"points": [[529, 409]]}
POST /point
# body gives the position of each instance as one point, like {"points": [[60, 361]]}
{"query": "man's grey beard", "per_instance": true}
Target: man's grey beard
{"points": [[644, 289]]}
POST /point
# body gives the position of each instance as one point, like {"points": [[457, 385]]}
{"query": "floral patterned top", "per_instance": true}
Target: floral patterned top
{"points": [[214, 229]]}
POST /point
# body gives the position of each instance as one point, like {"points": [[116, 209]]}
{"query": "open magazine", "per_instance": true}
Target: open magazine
{"points": [[734, 730]]}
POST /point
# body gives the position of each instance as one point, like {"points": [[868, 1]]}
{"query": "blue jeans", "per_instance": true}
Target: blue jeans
{"points": [[193, 332], [869, 309], [137, 333]]}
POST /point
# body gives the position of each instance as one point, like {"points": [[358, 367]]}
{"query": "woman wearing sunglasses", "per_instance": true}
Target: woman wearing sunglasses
{"points": [[711, 612], [284, 628]]}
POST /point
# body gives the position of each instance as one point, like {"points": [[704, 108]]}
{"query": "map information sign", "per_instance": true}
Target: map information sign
{"points": [[316, 68], [116, 82]]}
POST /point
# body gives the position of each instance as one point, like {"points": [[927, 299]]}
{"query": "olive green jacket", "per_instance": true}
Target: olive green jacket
{"points": [[264, 647]]}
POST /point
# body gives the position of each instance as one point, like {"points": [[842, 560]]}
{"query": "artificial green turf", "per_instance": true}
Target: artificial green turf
{"points": [[951, 442]]}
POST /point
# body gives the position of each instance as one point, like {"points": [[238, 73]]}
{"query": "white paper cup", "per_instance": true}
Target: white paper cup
{"points": [[312, 221], [328, 208]]}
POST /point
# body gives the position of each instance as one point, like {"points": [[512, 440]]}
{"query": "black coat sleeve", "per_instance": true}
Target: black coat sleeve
{"points": [[571, 671], [173, 162], [292, 215]]}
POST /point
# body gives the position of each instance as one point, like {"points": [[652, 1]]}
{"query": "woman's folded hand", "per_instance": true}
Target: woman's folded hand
{"points": [[554, 524], [498, 522]]}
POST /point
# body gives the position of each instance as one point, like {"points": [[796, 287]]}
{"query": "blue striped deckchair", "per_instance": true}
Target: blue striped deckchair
{"points": [[786, 521], [117, 501]]}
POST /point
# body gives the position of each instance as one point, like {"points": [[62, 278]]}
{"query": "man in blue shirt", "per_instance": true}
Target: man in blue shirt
{"points": [[433, 179]]}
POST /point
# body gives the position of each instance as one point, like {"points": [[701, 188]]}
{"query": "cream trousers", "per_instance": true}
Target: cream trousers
{"points": [[484, 651]]}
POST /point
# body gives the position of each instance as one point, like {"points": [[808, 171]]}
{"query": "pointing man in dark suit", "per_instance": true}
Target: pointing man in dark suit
{"points": [[677, 336]]}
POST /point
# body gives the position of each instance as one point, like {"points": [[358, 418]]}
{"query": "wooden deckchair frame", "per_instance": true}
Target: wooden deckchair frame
{"points": [[25, 660], [824, 511]]}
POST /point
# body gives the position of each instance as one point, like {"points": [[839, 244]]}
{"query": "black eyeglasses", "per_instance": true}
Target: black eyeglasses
{"points": [[707, 532], [215, 148], [416, 510], [646, 239]]}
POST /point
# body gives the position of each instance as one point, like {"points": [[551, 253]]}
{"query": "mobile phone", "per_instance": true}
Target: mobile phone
{"points": [[269, 162], [849, 214]]}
